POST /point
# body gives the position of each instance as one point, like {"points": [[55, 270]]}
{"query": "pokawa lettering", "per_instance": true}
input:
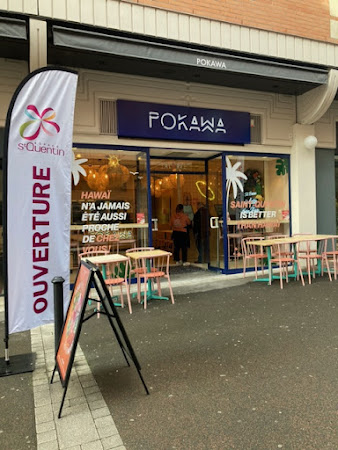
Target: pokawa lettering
{"points": [[213, 63], [182, 122]]}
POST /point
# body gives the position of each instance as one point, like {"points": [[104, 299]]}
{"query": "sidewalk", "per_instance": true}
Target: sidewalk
{"points": [[86, 422], [251, 367]]}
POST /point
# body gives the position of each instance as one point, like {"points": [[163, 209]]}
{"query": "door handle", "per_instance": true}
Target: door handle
{"points": [[214, 222], [155, 224]]}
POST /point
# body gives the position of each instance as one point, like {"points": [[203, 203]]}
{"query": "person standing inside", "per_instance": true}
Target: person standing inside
{"points": [[201, 230], [179, 223]]}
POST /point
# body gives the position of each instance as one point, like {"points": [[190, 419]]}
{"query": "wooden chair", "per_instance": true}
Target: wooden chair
{"points": [[137, 270], [117, 275], [330, 255], [234, 250], [283, 257], [88, 255], [249, 252], [307, 252], [155, 268], [286, 249], [92, 253]]}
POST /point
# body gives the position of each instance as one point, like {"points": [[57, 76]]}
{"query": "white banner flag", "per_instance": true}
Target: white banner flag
{"points": [[40, 131]]}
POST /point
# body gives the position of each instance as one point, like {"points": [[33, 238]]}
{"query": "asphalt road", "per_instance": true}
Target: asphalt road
{"points": [[247, 367]]}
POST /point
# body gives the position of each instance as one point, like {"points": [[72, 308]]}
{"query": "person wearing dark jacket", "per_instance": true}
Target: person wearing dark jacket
{"points": [[201, 230]]}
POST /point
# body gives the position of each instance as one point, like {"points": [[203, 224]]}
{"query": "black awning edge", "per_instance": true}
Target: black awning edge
{"points": [[138, 49], [13, 28]]}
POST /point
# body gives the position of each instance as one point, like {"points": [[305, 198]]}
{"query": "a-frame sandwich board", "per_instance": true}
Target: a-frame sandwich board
{"points": [[88, 276]]}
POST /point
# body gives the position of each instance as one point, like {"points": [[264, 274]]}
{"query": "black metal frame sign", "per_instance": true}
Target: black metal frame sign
{"points": [[88, 276]]}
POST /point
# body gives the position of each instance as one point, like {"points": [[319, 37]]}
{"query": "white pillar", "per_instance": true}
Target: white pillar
{"points": [[303, 180], [37, 44]]}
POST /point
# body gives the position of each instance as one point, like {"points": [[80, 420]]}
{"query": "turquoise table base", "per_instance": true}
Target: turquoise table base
{"points": [[291, 275]]}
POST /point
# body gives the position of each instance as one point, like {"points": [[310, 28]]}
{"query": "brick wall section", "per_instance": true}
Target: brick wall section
{"points": [[304, 18]]}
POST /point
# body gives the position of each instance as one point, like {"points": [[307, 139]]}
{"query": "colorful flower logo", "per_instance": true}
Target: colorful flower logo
{"points": [[39, 121]]}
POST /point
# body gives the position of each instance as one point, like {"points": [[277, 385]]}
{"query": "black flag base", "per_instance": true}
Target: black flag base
{"points": [[17, 364]]}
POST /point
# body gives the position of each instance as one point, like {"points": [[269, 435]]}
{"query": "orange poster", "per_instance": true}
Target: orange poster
{"points": [[67, 346]]}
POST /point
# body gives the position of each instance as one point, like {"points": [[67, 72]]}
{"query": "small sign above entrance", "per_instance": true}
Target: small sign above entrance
{"points": [[181, 123]]}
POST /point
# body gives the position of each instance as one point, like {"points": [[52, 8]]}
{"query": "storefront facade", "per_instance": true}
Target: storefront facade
{"points": [[135, 165], [135, 189]]}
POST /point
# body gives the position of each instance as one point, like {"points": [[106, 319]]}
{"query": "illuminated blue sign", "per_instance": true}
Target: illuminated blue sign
{"points": [[181, 123]]}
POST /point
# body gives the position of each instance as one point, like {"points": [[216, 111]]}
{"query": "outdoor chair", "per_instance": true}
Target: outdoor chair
{"points": [[117, 276], [251, 252], [92, 253], [283, 258], [306, 251], [330, 255], [286, 249], [135, 270], [88, 255], [155, 268]]}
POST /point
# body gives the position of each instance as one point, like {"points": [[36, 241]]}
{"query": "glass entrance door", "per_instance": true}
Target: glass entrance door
{"points": [[197, 185], [213, 197]]}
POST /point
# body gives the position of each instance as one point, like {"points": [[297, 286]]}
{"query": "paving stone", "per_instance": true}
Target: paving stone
{"points": [[46, 409], [76, 429], [96, 445], [45, 426], [77, 401], [91, 390], [112, 442], [42, 418], [97, 404], [103, 422], [107, 432], [94, 397], [101, 412], [51, 445], [47, 436]]}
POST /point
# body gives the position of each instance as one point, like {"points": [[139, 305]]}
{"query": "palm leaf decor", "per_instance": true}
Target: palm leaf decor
{"points": [[233, 178]]}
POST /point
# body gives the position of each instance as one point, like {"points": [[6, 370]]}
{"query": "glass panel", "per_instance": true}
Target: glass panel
{"points": [[336, 175], [109, 203], [177, 165], [257, 190], [167, 192], [199, 204], [215, 206], [2, 132]]}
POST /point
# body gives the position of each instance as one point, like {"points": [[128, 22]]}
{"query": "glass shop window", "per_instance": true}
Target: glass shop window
{"points": [[109, 201], [257, 200]]}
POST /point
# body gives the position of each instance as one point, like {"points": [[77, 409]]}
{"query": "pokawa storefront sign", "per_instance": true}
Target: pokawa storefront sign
{"points": [[181, 123]]}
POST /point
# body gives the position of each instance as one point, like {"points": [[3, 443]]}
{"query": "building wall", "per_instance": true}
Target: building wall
{"points": [[12, 72], [277, 111], [306, 18], [138, 18]]}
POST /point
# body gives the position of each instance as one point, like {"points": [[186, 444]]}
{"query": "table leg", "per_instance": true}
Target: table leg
{"points": [[152, 294]]}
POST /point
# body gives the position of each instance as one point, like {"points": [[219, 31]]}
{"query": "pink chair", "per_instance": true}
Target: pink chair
{"points": [[88, 255], [136, 270], [159, 268], [249, 252], [283, 257], [92, 253], [285, 249], [117, 275], [309, 254], [330, 255]]}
